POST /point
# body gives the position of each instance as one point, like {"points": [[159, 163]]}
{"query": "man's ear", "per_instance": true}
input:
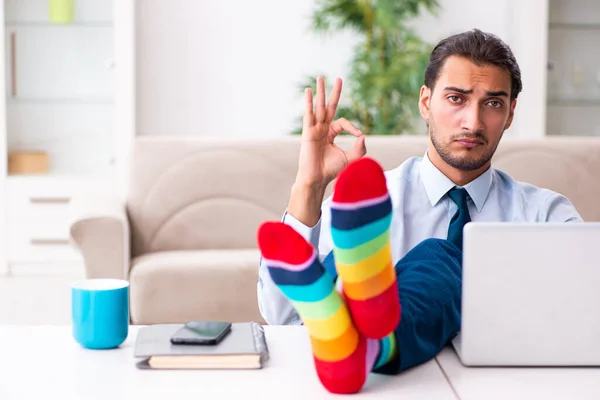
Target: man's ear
{"points": [[424, 99], [511, 114]]}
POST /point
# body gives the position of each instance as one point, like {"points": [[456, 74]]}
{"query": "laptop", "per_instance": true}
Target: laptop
{"points": [[531, 295]]}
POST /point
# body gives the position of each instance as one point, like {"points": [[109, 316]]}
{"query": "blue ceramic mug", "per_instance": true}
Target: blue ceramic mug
{"points": [[100, 312]]}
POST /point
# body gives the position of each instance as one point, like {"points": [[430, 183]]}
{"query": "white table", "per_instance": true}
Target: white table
{"points": [[39, 361], [483, 383]]}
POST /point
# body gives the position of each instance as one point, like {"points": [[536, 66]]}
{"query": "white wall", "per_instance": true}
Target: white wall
{"points": [[460, 15], [232, 67], [228, 67]]}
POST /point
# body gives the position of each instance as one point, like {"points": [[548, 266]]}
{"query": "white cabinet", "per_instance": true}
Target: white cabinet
{"points": [[37, 219], [573, 67], [67, 119]]}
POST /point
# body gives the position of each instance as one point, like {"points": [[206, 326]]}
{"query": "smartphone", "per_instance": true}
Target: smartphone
{"points": [[201, 333]]}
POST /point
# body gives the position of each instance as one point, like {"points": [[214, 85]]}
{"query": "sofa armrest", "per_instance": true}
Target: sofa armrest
{"points": [[99, 227]]}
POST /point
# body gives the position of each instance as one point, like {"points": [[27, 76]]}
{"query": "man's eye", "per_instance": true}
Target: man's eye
{"points": [[454, 99], [495, 104]]}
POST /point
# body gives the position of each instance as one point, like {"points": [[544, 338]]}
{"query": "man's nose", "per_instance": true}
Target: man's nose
{"points": [[472, 118]]}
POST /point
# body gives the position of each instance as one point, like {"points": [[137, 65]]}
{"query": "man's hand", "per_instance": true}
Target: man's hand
{"points": [[321, 160]]}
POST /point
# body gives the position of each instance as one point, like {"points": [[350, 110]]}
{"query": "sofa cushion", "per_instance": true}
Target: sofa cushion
{"points": [[180, 286]]}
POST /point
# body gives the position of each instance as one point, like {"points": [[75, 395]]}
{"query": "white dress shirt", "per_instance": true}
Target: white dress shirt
{"points": [[421, 210]]}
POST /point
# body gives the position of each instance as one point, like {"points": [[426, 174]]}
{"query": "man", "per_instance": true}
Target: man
{"points": [[468, 100]]}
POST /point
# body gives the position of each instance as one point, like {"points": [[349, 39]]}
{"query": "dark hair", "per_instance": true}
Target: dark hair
{"points": [[479, 47]]}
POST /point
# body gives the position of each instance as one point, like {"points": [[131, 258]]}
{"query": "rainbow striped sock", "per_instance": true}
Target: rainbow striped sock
{"points": [[387, 350], [342, 356], [361, 214]]}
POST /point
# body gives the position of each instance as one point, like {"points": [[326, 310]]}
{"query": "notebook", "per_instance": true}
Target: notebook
{"points": [[244, 347]]}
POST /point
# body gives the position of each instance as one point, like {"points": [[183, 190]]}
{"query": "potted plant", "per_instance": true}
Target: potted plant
{"points": [[386, 70]]}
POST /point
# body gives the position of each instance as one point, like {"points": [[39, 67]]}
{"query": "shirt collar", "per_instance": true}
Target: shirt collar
{"points": [[437, 184]]}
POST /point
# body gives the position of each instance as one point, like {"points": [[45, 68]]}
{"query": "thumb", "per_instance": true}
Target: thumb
{"points": [[358, 150]]}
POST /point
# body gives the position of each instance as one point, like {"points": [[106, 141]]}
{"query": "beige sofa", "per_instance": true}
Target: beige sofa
{"points": [[185, 237]]}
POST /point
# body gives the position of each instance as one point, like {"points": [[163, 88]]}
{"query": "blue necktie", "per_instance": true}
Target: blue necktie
{"points": [[455, 230]]}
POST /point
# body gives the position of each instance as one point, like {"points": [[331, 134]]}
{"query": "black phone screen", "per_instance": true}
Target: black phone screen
{"points": [[201, 332]]}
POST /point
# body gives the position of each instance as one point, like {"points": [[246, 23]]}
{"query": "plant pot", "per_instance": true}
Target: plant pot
{"points": [[61, 11]]}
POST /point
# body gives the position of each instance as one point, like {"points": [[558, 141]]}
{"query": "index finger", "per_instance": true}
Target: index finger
{"points": [[343, 124], [334, 99]]}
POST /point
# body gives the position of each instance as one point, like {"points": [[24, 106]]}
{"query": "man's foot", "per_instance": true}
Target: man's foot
{"points": [[361, 214], [342, 356]]}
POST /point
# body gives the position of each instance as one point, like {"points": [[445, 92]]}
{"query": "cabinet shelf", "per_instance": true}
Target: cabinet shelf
{"points": [[575, 26], [100, 176], [55, 101], [43, 24], [574, 102]]}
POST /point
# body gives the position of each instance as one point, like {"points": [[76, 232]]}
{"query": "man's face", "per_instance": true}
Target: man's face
{"points": [[467, 112]]}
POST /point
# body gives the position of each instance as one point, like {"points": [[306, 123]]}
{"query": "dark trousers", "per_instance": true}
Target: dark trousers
{"points": [[429, 281]]}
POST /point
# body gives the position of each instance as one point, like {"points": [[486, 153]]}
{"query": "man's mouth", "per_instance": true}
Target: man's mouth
{"points": [[469, 143]]}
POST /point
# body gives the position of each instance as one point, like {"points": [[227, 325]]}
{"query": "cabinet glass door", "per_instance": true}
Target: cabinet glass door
{"points": [[573, 68], [59, 88]]}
